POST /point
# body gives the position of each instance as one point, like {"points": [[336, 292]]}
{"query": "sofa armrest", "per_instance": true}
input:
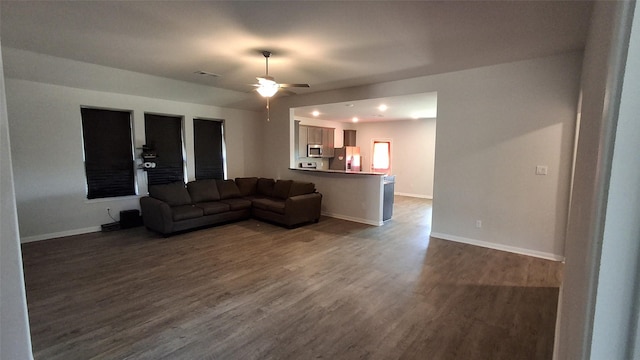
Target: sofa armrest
{"points": [[303, 208], [156, 214]]}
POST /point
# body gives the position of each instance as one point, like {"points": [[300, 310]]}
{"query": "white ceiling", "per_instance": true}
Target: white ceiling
{"points": [[327, 44]]}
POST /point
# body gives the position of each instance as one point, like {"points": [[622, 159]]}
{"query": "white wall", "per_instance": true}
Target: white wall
{"points": [[46, 133], [617, 304], [495, 124], [600, 84], [413, 145], [599, 312], [15, 339]]}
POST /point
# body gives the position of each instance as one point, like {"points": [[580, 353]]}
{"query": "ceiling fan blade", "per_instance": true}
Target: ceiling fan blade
{"points": [[285, 92], [294, 85]]}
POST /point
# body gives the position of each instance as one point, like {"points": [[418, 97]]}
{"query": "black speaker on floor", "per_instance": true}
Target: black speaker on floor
{"points": [[130, 218]]}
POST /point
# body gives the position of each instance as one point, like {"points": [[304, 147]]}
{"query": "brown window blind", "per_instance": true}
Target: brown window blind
{"points": [[208, 146], [108, 153], [164, 134]]}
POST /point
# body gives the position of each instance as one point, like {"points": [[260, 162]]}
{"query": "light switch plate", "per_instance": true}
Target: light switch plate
{"points": [[542, 170]]}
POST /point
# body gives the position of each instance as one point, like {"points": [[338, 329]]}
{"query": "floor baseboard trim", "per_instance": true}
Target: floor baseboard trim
{"points": [[511, 249], [420, 196], [41, 237], [354, 219]]}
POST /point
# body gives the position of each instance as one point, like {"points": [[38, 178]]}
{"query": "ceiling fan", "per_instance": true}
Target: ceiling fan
{"points": [[267, 85]]}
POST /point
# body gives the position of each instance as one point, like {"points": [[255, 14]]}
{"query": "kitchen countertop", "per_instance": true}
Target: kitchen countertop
{"points": [[339, 171]]}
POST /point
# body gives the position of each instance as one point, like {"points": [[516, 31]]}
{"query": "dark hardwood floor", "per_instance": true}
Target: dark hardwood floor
{"points": [[251, 290]]}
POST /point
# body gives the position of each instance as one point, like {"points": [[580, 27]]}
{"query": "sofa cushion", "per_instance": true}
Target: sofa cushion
{"points": [[274, 205], [248, 185], [301, 188], [237, 203], [228, 189], [203, 190], [213, 207], [173, 194], [281, 189], [184, 212], [265, 186]]}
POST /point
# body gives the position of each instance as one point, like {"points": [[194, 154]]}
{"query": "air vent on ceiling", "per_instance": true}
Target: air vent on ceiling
{"points": [[206, 73]]}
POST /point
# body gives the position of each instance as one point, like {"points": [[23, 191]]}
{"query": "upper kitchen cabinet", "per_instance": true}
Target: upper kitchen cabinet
{"points": [[327, 142], [302, 140], [314, 135]]}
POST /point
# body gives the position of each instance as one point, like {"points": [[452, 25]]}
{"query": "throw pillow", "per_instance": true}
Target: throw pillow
{"points": [[173, 194], [203, 190]]}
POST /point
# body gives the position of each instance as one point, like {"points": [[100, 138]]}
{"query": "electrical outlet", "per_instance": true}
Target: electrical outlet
{"points": [[478, 224], [542, 169]]}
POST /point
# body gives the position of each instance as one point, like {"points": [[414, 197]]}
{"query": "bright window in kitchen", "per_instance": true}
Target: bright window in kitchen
{"points": [[381, 156]]}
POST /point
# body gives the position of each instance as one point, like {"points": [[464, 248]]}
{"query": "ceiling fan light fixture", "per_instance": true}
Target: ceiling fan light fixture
{"points": [[267, 87]]}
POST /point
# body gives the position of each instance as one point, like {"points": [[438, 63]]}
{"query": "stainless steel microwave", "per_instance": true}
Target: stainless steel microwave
{"points": [[314, 150]]}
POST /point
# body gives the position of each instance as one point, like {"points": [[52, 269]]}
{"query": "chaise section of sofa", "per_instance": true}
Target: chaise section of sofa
{"points": [[285, 202]]}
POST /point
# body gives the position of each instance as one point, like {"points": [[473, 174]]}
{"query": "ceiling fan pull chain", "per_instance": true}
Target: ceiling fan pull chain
{"points": [[268, 111]]}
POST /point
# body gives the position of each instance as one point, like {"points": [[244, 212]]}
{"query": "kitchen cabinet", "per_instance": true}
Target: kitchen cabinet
{"points": [[327, 142], [350, 138], [314, 135], [302, 140]]}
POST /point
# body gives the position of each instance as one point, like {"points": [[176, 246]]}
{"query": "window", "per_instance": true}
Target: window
{"points": [[108, 153], [381, 156], [208, 142], [164, 134]]}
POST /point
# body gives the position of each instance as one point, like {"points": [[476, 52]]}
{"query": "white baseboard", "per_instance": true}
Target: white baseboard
{"points": [[28, 239], [490, 245], [354, 219], [430, 197]]}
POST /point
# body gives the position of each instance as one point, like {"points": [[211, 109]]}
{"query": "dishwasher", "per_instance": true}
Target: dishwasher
{"points": [[387, 202]]}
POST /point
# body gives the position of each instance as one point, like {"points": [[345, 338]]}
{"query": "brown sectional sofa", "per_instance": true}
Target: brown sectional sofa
{"points": [[175, 207]]}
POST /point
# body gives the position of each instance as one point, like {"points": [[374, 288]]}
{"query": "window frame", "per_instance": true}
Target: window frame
{"points": [[390, 153]]}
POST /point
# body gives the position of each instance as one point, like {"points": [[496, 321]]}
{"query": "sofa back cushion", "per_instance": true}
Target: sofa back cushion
{"points": [[265, 186], [203, 190], [228, 189], [247, 185], [301, 188], [174, 194], [281, 189]]}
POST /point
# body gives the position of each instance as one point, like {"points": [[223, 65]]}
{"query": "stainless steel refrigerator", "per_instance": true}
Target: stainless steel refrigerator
{"points": [[346, 158]]}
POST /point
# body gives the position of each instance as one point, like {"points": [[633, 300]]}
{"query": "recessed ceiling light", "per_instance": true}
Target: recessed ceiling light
{"points": [[355, 119], [382, 107], [315, 113], [348, 105]]}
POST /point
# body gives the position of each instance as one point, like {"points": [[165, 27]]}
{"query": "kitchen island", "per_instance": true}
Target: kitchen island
{"points": [[349, 195]]}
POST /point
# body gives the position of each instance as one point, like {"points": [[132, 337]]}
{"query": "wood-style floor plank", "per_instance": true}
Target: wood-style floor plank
{"points": [[251, 290]]}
